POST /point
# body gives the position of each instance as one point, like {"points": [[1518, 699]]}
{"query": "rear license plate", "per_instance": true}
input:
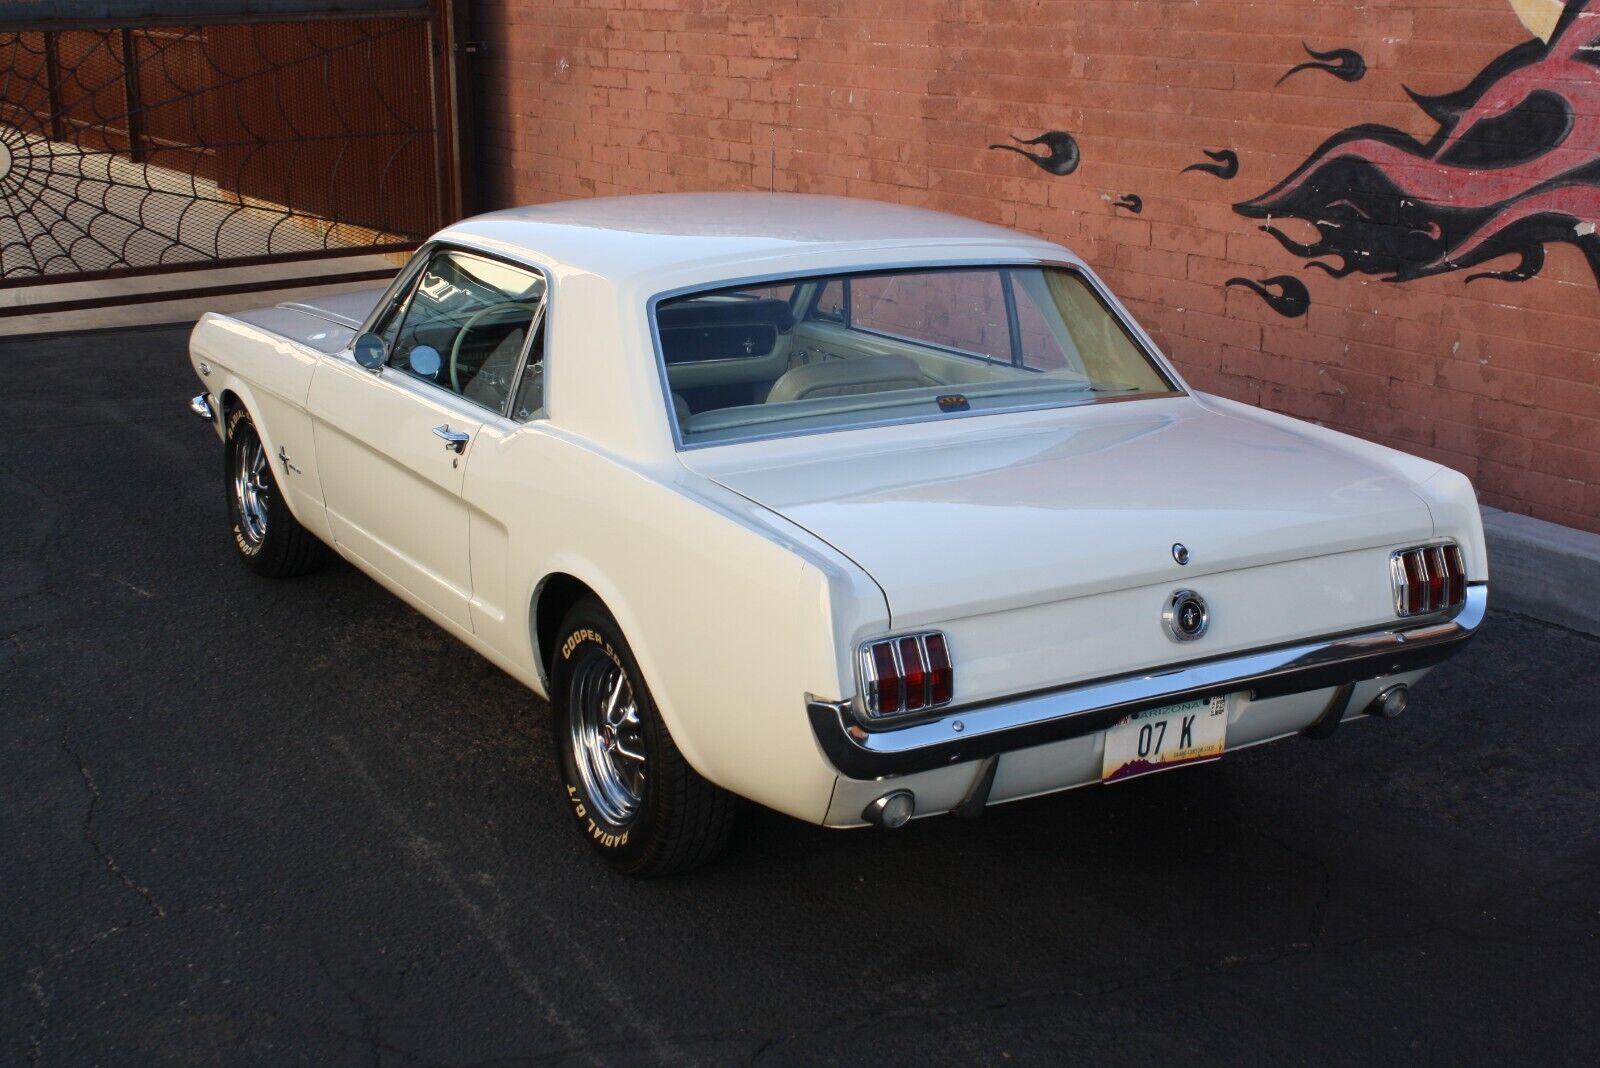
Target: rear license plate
{"points": [[1168, 737]]}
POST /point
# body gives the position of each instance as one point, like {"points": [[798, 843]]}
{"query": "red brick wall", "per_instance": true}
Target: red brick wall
{"points": [[1497, 378]]}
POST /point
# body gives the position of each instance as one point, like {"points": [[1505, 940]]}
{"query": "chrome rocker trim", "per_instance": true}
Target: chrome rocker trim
{"points": [[980, 730]]}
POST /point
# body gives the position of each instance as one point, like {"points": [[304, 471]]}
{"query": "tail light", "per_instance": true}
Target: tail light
{"points": [[907, 674], [1428, 579]]}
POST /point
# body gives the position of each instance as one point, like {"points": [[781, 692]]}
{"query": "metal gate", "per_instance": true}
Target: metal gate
{"points": [[158, 144]]}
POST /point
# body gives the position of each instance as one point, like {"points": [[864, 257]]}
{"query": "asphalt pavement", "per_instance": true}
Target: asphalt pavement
{"points": [[294, 823]]}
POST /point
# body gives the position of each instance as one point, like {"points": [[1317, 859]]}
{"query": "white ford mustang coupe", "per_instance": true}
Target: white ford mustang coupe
{"points": [[858, 511]]}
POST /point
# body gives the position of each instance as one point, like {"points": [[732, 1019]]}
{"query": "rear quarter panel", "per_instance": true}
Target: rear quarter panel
{"points": [[732, 623]]}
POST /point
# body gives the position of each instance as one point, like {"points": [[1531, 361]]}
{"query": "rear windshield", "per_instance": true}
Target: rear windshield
{"points": [[859, 349]]}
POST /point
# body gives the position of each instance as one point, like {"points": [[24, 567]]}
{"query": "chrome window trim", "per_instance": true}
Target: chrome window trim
{"points": [[397, 288], [941, 417], [1107, 299], [400, 288], [970, 732], [534, 326]]}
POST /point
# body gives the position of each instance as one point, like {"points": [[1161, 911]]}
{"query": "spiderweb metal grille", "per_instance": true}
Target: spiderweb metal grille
{"points": [[131, 149]]}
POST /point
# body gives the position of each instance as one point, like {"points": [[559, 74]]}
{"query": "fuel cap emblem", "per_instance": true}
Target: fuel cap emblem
{"points": [[1185, 616]]}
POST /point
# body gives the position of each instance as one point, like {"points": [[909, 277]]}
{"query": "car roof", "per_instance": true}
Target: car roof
{"points": [[673, 233]]}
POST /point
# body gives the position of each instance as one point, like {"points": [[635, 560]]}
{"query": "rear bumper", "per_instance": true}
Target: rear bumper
{"points": [[977, 731]]}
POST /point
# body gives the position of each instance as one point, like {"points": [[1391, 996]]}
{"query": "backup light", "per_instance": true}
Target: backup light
{"points": [[892, 810], [1390, 703], [906, 674], [1428, 579]]}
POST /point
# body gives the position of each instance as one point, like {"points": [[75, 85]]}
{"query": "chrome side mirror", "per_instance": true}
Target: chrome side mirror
{"points": [[370, 352]]}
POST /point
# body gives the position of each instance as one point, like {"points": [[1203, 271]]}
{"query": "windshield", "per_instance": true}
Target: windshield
{"points": [[858, 349]]}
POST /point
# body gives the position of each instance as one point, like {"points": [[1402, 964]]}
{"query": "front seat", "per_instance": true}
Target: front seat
{"points": [[843, 378]]}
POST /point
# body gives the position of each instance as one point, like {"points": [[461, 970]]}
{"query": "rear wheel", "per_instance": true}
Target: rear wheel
{"points": [[636, 800], [267, 536]]}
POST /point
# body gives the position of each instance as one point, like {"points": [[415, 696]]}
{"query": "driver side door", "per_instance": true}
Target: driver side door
{"points": [[392, 444]]}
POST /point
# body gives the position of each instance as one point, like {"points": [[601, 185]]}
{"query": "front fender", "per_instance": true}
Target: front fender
{"points": [[270, 376]]}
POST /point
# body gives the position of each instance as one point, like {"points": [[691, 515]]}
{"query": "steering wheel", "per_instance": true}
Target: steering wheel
{"points": [[472, 321]]}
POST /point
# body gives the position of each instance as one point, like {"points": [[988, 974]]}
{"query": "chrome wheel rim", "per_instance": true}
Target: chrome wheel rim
{"points": [[250, 488], [607, 738]]}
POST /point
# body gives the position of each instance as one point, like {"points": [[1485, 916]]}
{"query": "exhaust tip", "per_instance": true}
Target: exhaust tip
{"points": [[892, 810], [1390, 703]]}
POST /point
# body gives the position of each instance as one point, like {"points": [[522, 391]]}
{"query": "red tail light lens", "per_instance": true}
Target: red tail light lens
{"points": [[943, 676], [911, 673], [1456, 570], [887, 683], [1428, 579], [1416, 581], [915, 674], [1433, 560]]}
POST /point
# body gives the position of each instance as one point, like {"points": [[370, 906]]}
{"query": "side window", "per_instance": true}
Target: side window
{"points": [[1043, 341], [530, 390], [389, 325], [463, 325], [964, 310], [784, 292], [833, 303]]}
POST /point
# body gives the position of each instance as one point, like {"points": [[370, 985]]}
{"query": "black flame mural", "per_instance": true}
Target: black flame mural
{"points": [[1060, 155], [1285, 294], [1514, 167], [1224, 164], [1343, 63]]}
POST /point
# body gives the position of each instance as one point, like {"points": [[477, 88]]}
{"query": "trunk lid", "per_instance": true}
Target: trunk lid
{"points": [[960, 521]]}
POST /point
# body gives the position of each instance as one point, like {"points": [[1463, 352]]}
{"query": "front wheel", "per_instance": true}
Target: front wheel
{"points": [[267, 536], [636, 800]]}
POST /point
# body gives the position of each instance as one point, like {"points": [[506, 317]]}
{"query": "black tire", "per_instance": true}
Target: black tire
{"points": [[269, 539], [679, 820]]}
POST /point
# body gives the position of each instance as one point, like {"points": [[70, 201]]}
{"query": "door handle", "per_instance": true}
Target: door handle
{"points": [[454, 440]]}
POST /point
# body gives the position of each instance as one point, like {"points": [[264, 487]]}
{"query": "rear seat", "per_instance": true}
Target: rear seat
{"points": [[843, 378]]}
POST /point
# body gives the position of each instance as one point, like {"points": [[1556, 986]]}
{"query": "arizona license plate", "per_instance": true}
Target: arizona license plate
{"points": [[1168, 737]]}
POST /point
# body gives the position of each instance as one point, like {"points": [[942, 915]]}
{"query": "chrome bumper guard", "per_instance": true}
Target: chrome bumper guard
{"points": [[980, 730], [201, 406]]}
